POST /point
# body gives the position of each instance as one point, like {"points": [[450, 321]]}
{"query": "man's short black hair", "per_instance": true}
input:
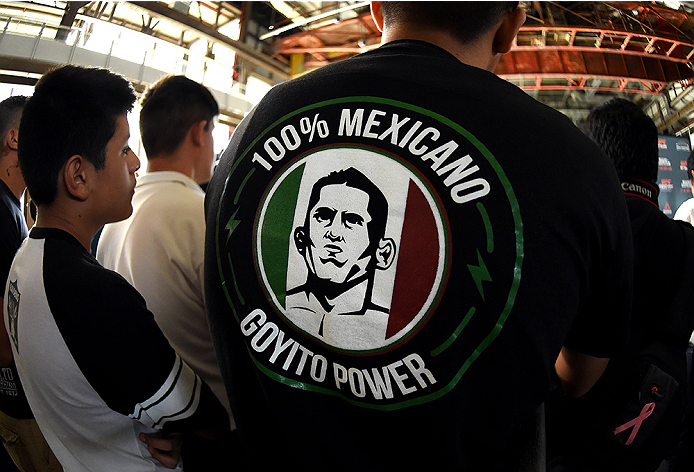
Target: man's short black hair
{"points": [[169, 108], [466, 21], [628, 137], [74, 110], [10, 112]]}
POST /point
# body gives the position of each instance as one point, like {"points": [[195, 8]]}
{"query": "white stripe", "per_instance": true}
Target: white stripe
{"points": [[176, 399]]}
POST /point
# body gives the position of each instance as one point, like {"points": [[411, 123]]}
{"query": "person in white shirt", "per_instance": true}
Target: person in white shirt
{"points": [[160, 248]]}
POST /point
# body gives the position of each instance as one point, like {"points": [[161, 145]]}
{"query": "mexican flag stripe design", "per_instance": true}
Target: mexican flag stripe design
{"points": [[417, 261], [277, 233], [407, 291]]}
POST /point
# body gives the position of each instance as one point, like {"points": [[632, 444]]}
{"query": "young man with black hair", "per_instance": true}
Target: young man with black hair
{"points": [[510, 249], [630, 421], [19, 432], [160, 248], [99, 375]]}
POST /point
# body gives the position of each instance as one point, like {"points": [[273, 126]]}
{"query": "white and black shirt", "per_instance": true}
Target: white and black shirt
{"points": [[96, 368]]}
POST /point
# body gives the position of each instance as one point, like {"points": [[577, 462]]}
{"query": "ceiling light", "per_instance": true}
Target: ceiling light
{"points": [[303, 21]]}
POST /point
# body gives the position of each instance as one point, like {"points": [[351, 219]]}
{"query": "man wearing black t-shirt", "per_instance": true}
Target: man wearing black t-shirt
{"points": [[510, 254], [20, 433], [630, 421]]}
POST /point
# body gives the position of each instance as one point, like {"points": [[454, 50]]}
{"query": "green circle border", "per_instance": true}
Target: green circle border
{"points": [[518, 225]]}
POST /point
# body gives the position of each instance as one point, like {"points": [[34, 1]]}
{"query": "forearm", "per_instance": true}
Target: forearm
{"points": [[578, 372]]}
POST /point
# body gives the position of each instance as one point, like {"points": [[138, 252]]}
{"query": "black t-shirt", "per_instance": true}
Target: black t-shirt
{"points": [[398, 246], [13, 230], [661, 324]]}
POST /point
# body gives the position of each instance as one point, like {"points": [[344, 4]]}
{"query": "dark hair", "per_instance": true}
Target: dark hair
{"points": [[169, 108], [73, 111], [690, 165], [628, 137], [466, 21], [10, 113], [377, 206]]}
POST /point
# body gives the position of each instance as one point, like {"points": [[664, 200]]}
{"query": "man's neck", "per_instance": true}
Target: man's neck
{"points": [[11, 175], [478, 54], [171, 163], [52, 217]]}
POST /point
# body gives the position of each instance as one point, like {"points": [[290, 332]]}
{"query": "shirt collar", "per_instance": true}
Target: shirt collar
{"points": [[5, 189], [166, 176], [641, 189]]}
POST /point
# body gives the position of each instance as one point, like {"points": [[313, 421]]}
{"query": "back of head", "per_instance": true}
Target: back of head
{"points": [[10, 113], [628, 137], [169, 109], [73, 111], [465, 21]]}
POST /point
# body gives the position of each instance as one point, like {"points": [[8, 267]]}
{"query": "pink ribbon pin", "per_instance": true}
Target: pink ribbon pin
{"points": [[636, 422]]}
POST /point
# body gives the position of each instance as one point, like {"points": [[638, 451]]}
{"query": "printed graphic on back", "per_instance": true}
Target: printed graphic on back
{"points": [[368, 249]]}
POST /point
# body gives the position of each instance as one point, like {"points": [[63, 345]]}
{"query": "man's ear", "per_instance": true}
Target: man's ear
{"points": [[507, 31], [75, 177], [198, 132], [300, 240], [11, 138], [377, 15], [385, 253]]}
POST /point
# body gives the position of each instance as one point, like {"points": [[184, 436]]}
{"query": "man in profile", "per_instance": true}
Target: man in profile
{"points": [[100, 377], [342, 242], [631, 419], [505, 282]]}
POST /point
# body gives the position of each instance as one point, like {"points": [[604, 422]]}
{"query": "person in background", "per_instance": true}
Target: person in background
{"points": [[509, 254], [18, 429], [160, 248], [631, 419], [108, 391], [686, 210]]}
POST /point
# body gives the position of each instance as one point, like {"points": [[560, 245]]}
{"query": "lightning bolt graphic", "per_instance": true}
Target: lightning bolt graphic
{"points": [[479, 273], [232, 224]]}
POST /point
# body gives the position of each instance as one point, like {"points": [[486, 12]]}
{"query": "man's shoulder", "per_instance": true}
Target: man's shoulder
{"points": [[685, 210], [66, 266], [674, 237]]}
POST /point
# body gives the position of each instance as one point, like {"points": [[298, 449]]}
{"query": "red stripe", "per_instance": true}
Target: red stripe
{"points": [[417, 261]]}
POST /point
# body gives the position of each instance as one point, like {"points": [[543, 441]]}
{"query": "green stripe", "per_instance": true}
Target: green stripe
{"points": [[243, 185], [277, 232], [455, 334], [487, 227]]}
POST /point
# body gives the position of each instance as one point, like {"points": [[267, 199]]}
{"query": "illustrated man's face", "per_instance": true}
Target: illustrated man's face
{"points": [[338, 233]]}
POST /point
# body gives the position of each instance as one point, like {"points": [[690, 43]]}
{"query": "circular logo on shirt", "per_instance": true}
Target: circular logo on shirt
{"points": [[361, 226], [368, 249]]}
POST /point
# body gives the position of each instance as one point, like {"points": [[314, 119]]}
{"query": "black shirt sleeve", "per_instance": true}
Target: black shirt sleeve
{"points": [[117, 344]]}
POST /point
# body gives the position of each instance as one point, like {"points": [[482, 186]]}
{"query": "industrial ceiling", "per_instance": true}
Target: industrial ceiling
{"points": [[569, 55]]}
